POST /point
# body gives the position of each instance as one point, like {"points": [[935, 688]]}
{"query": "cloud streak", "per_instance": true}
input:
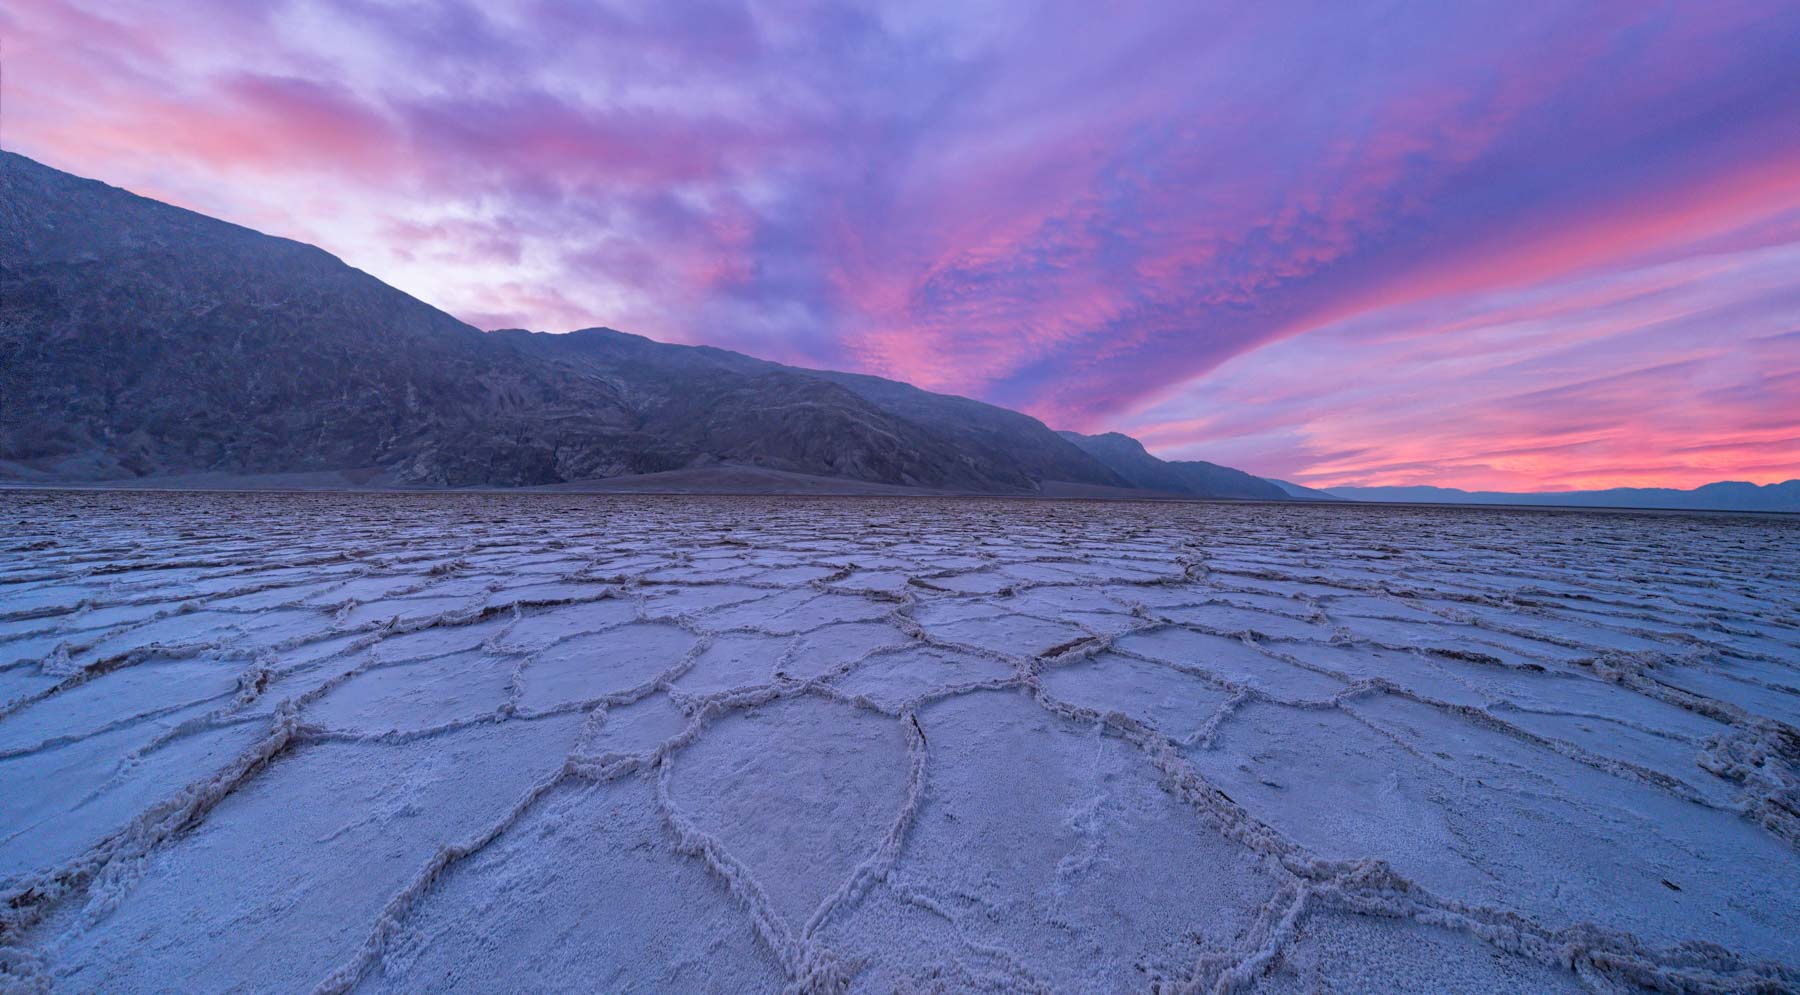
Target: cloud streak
{"points": [[1467, 244]]}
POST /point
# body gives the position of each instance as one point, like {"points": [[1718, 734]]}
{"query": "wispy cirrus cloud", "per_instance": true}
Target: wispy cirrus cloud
{"points": [[1471, 244]]}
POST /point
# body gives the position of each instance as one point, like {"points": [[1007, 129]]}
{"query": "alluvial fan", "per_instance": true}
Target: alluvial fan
{"points": [[392, 742]]}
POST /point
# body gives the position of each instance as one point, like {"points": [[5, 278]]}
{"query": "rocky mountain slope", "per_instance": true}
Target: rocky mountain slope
{"points": [[139, 339], [1303, 492], [976, 439], [1127, 457]]}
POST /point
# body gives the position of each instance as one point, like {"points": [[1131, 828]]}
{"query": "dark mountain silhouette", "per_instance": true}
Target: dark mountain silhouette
{"points": [[1303, 492], [140, 340], [1128, 458], [948, 430], [1725, 495]]}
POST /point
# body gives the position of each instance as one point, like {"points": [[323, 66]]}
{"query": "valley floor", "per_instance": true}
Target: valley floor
{"points": [[416, 742]]}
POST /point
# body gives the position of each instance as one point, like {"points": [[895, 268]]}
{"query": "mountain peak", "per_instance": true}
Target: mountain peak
{"points": [[1108, 440]]}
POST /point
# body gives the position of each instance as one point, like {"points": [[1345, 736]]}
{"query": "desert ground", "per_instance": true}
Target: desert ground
{"points": [[630, 743]]}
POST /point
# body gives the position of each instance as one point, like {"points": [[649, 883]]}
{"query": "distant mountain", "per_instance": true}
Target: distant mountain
{"points": [[1128, 458], [142, 340], [1303, 492], [1728, 495]]}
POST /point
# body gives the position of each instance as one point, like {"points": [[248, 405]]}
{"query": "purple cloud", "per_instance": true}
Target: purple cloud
{"points": [[1152, 219]]}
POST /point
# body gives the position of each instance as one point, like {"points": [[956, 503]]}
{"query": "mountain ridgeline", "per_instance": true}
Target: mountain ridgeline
{"points": [[140, 341], [1127, 457], [1724, 495]]}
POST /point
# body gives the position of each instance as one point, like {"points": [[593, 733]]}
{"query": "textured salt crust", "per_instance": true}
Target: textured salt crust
{"points": [[409, 743]]}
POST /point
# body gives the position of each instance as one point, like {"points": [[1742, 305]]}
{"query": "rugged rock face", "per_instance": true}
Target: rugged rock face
{"points": [[1127, 457], [138, 337], [843, 419], [141, 339]]}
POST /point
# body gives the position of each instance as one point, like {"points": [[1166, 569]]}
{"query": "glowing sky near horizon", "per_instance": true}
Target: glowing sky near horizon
{"points": [[1489, 245]]}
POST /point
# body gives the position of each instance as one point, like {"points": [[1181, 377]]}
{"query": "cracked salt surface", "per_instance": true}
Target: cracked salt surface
{"points": [[528, 742]]}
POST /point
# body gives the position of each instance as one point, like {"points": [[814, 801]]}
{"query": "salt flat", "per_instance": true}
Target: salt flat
{"points": [[388, 742]]}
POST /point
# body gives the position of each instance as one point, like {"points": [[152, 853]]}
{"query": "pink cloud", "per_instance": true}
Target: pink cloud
{"points": [[1485, 242]]}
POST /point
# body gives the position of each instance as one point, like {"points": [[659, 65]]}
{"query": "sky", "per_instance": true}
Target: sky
{"points": [[1523, 246]]}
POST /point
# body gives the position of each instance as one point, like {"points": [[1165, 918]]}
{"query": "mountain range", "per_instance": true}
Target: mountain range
{"points": [[140, 341], [1725, 495], [144, 343], [1127, 457]]}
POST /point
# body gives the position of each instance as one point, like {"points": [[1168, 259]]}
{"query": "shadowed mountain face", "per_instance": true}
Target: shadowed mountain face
{"points": [[1128, 458], [1302, 492], [138, 339], [758, 407]]}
